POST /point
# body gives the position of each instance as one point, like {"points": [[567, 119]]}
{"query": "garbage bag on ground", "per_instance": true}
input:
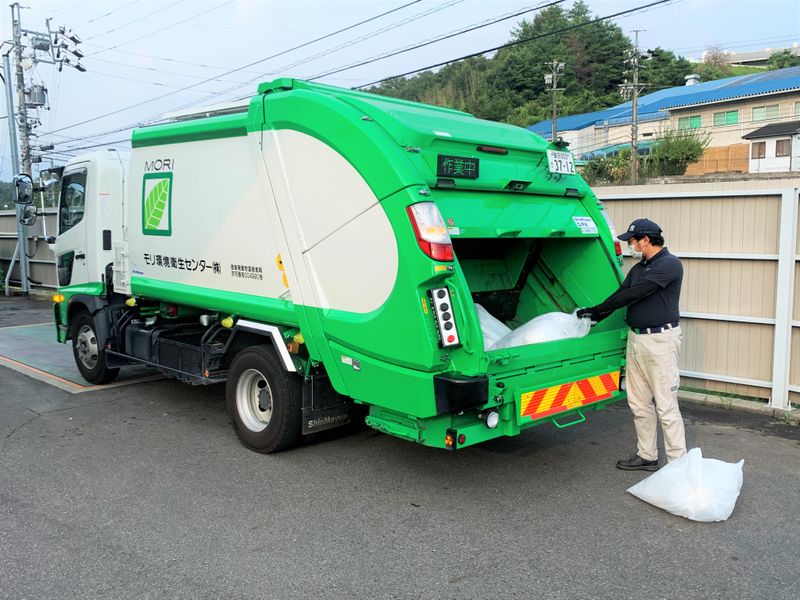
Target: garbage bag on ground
{"points": [[700, 489], [545, 328], [493, 329]]}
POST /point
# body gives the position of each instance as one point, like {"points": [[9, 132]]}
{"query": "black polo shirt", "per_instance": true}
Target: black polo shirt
{"points": [[660, 307]]}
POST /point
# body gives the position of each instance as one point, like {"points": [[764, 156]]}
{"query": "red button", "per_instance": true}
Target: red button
{"points": [[450, 339]]}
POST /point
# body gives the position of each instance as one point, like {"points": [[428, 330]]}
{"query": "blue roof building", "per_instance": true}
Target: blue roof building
{"points": [[726, 109]]}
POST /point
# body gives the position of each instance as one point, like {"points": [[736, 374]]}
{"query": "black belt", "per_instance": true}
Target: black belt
{"points": [[656, 329]]}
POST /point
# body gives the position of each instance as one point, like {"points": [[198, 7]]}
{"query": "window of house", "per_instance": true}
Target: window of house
{"points": [[728, 117], [758, 149], [797, 109], [692, 122], [762, 113], [783, 147]]}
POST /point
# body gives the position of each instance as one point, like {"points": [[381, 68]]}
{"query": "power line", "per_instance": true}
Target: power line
{"points": [[330, 51], [75, 149], [170, 26], [127, 23], [434, 40], [153, 69], [111, 12], [114, 112], [369, 35], [156, 83], [523, 41], [161, 58]]}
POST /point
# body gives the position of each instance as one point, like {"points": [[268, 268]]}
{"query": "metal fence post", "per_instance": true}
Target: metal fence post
{"points": [[784, 300]]}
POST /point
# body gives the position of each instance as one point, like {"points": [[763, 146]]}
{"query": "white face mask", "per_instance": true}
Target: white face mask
{"points": [[636, 254]]}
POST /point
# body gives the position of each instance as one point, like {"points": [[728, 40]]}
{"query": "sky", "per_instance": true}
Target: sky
{"points": [[148, 58]]}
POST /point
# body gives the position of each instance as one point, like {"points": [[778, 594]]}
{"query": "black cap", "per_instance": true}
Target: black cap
{"points": [[640, 227]]}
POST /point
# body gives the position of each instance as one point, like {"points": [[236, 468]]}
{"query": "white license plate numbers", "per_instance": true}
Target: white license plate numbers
{"points": [[561, 162]]}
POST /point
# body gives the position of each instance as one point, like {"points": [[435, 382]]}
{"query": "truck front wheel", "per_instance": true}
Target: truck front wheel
{"points": [[264, 401], [89, 354]]}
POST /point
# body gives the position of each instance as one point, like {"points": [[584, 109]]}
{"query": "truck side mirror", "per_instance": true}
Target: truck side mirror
{"points": [[28, 215], [23, 189]]}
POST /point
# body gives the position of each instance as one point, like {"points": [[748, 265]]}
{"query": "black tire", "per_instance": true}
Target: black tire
{"points": [[264, 400], [90, 356]]}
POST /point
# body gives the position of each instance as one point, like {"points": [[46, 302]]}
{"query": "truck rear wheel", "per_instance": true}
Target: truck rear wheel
{"points": [[90, 357], [264, 401]]}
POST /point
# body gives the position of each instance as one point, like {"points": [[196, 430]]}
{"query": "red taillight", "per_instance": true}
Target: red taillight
{"points": [[610, 223], [430, 230]]}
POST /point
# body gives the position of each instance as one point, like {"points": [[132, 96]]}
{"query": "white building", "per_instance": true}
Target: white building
{"points": [[775, 147]]}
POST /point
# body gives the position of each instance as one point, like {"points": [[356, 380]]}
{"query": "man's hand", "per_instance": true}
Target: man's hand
{"points": [[590, 313]]}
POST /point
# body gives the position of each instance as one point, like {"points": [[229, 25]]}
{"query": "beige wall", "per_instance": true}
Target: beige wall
{"points": [[726, 135], [592, 138], [721, 293]]}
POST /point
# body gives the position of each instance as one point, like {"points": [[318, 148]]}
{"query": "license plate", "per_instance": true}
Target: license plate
{"points": [[561, 162]]}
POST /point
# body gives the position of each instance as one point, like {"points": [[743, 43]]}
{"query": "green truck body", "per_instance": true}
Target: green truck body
{"points": [[297, 248]]}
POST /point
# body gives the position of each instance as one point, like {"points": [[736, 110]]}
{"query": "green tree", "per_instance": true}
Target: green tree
{"points": [[783, 60], [674, 151], [510, 86], [663, 69], [6, 196]]}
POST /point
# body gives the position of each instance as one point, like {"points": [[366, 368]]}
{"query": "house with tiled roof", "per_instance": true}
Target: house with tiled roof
{"points": [[775, 148], [726, 109]]}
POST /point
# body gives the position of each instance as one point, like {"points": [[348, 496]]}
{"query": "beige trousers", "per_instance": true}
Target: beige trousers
{"points": [[651, 373]]}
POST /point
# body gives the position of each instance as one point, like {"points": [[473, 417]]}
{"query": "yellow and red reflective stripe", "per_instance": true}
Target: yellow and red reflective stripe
{"points": [[558, 398]]}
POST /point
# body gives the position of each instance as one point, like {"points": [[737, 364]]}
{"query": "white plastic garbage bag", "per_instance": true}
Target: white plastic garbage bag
{"points": [[546, 328], [700, 489], [493, 329]]}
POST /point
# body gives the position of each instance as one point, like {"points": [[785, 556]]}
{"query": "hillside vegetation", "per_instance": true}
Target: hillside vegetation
{"points": [[509, 86]]}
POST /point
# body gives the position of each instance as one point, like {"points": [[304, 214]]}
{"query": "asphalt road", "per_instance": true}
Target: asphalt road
{"points": [[144, 492]]}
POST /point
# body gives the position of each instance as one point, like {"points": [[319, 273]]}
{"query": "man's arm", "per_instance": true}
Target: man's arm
{"points": [[622, 297]]}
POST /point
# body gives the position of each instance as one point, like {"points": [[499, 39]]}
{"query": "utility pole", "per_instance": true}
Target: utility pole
{"points": [[632, 90], [551, 79], [635, 113], [24, 137], [22, 108], [47, 48]]}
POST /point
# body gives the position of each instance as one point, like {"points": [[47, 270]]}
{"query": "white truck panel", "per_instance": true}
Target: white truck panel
{"points": [[355, 268], [325, 191], [353, 264], [219, 233]]}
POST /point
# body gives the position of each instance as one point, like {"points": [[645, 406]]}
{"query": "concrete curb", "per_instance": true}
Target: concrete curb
{"points": [[790, 417]]}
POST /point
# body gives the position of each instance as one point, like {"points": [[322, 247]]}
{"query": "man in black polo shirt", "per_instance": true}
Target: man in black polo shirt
{"points": [[651, 292]]}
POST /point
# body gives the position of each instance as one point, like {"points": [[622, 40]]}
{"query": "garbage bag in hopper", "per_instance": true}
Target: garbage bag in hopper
{"points": [[493, 329], [700, 489], [545, 328]]}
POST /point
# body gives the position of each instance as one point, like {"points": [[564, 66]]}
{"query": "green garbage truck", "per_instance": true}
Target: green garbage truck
{"points": [[322, 251]]}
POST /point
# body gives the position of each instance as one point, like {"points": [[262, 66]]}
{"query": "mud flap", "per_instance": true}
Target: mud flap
{"points": [[323, 407]]}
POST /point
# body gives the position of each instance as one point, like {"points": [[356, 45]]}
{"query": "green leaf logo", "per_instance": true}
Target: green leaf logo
{"points": [[155, 204]]}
